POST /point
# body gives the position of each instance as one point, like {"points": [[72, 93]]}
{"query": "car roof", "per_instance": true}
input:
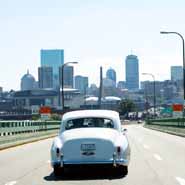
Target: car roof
{"points": [[91, 113]]}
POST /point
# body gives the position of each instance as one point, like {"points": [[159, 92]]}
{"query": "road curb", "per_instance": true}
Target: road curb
{"points": [[19, 143], [165, 131]]}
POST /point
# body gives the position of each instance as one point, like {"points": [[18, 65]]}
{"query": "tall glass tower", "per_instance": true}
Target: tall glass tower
{"points": [[132, 72], [53, 58], [111, 74]]}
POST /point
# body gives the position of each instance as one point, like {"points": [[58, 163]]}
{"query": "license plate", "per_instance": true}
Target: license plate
{"points": [[88, 147]]}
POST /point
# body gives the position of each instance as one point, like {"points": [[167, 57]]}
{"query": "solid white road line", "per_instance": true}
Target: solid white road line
{"points": [[158, 157], [11, 183], [146, 146], [180, 180]]}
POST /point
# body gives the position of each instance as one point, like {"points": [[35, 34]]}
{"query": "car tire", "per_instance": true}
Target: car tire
{"points": [[57, 170], [122, 170]]}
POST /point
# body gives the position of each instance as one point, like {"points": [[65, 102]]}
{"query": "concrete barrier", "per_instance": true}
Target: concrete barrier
{"points": [[18, 127], [175, 126], [171, 122]]}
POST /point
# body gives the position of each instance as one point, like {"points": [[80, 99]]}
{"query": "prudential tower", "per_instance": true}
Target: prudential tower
{"points": [[132, 72]]}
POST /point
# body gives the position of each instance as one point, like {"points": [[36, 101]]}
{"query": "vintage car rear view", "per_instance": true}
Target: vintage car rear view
{"points": [[91, 137]]}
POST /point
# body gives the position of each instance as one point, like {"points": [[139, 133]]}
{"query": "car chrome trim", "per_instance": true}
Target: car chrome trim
{"points": [[120, 161]]}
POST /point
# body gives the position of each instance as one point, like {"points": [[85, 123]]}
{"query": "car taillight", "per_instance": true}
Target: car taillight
{"points": [[118, 149]]}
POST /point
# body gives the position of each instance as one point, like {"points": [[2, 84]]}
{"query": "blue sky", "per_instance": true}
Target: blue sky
{"points": [[95, 33]]}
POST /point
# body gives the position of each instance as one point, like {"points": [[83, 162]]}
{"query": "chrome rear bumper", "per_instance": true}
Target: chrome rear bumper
{"points": [[110, 162]]}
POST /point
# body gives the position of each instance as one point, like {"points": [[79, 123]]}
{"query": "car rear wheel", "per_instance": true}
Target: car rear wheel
{"points": [[123, 170], [57, 169]]}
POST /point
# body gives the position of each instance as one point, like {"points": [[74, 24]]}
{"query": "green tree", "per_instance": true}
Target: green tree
{"points": [[55, 117], [126, 106]]}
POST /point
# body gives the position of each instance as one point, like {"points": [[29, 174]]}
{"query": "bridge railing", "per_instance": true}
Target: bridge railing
{"points": [[19, 127], [171, 122]]}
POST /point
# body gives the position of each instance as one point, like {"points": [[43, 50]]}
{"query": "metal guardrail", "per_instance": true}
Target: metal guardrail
{"points": [[172, 122], [19, 127]]}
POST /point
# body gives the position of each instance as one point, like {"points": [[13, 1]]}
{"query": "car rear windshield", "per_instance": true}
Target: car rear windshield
{"points": [[89, 122]]}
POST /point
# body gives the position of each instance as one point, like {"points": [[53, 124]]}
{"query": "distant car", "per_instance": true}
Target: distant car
{"points": [[139, 121], [93, 137]]}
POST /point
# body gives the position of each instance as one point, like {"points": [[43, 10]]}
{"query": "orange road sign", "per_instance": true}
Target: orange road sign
{"points": [[45, 110], [177, 107]]}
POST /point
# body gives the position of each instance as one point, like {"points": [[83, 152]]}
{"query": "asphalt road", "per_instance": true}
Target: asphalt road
{"points": [[156, 159]]}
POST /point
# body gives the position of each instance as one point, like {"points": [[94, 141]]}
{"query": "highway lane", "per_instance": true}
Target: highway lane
{"points": [[168, 150], [156, 159]]}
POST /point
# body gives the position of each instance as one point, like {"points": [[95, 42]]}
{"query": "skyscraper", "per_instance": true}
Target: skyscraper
{"points": [[53, 58], [68, 76], [86, 83], [132, 72], [176, 73], [81, 83], [111, 74], [45, 77]]}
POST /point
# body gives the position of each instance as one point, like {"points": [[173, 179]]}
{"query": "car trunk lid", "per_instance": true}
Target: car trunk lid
{"points": [[89, 145]]}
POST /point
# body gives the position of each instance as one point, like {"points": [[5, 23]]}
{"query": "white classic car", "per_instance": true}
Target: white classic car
{"points": [[91, 137]]}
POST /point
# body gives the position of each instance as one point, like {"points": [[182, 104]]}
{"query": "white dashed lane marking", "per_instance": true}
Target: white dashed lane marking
{"points": [[11, 183], [180, 180], [158, 157], [146, 146]]}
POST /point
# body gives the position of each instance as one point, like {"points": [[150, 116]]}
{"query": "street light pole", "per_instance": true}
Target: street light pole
{"points": [[62, 81], [154, 98], [101, 88], [146, 99], [183, 55]]}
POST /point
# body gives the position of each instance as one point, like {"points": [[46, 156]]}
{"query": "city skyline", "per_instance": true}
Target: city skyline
{"points": [[68, 72], [104, 76], [93, 33]]}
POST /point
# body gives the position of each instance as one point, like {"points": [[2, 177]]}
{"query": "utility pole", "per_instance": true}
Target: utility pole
{"points": [[101, 87]]}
